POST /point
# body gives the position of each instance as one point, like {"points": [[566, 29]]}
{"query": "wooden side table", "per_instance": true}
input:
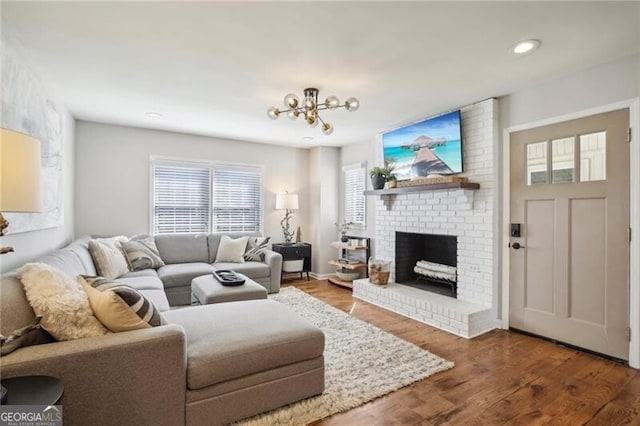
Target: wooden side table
{"points": [[295, 251], [33, 390]]}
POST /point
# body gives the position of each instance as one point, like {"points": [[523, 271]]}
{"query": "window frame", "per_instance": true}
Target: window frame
{"points": [[155, 160]]}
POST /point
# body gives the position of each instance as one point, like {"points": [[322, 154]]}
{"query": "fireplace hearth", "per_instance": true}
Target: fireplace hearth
{"points": [[427, 262]]}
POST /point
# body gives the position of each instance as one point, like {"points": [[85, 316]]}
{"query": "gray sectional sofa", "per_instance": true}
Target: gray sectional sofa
{"points": [[190, 255], [206, 365]]}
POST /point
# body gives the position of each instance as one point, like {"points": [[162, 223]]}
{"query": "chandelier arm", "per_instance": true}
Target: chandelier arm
{"points": [[321, 120], [326, 107]]}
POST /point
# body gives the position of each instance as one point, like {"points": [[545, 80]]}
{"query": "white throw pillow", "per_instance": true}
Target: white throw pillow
{"points": [[61, 301], [108, 257], [231, 250]]}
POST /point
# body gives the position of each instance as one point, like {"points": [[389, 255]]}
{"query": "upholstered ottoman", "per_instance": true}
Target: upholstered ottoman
{"points": [[245, 358], [207, 290]]}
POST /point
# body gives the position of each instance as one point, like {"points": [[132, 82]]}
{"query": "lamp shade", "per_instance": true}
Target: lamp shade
{"points": [[287, 202], [20, 186]]}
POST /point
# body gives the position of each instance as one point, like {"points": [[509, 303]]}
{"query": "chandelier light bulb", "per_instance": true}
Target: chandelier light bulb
{"points": [[291, 100], [352, 104], [327, 129], [310, 104], [293, 114], [273, 113], [332, 102]]}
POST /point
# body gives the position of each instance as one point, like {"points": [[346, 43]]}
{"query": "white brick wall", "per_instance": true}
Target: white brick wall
{"points": [[467, 214]]}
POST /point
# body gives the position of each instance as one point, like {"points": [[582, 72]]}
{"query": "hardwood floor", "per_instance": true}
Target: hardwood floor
{"points": [[501, 377]]}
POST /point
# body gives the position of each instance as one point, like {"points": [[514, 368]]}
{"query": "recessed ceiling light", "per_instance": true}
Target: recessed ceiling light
{"points": [[152, 114], [525, 46], [307, 138]]}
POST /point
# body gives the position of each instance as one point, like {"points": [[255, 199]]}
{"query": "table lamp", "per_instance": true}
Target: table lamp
{"points": [[20, 186], [287, 202]]}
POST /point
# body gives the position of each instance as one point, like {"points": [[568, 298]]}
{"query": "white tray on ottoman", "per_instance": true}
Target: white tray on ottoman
{"points": [[207, 289]]}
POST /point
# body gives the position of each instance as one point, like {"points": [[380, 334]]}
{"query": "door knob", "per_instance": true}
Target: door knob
{"points": [[516, 246]]}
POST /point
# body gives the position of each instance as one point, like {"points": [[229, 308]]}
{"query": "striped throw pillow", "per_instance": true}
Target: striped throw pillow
{"points": [[118, 306], [142, 254], [256, 249]]}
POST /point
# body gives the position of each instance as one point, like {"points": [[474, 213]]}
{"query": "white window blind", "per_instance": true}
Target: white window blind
{"points": [[181, 198], [237, 199], [354, 200]]}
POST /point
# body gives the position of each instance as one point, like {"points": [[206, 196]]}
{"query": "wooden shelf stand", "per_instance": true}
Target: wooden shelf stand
{"points": [[345, 248]]}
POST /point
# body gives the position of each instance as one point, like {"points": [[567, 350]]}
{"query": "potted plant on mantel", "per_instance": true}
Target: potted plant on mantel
{"points": [[380, 175]]}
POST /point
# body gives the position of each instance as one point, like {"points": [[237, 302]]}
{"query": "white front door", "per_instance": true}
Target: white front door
{"points": [[569, 268]]}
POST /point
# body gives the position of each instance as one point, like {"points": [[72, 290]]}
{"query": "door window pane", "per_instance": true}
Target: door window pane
{"points": [[562, 159], [537, 163], [593, 159]]}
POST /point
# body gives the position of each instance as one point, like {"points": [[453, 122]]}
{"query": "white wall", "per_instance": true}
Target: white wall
{"points": [[27, 113], [589, 88], [324, 184], [113, 175]]}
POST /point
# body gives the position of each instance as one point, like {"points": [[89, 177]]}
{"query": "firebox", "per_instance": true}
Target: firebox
{"points": [[427, 262]]}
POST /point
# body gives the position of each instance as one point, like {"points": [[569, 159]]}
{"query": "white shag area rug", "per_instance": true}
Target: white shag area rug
{"points": [[362, 363]]}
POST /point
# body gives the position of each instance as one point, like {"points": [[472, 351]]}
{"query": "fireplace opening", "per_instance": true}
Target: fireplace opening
{"points": [[427, 262]]}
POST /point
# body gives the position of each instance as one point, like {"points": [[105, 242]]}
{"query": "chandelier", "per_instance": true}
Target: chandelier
{"points": [[309, 108]]}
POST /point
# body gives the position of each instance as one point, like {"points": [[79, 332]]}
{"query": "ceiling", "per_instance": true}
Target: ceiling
{"points": [[213, 68]]}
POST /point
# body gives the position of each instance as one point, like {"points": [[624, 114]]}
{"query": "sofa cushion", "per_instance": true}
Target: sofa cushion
{"points": [[141, 273], [143, 283], [118, 306], [183, 248], [213, 240], [142, 254], [81, 248], [231, 250], [61, 301], [237, 341], [250, 269], [64, 260], [158, 298], [108, 257], [181, 274]]}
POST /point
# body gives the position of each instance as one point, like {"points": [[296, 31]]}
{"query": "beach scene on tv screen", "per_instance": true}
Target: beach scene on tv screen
{"points": [[428, 147]]}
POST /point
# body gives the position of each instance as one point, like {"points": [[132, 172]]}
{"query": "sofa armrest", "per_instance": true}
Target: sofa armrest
{"points": [[134, 377], [274, 260]]}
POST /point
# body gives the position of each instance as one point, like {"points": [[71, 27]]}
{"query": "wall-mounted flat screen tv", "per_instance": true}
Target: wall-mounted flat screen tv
{"points": [[428, 147]]}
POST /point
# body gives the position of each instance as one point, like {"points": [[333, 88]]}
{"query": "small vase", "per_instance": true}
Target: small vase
{"points": [[377, 182], [393, 183], [344, 238]]}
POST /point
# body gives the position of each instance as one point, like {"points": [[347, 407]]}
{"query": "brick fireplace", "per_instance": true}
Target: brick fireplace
{"points": [[466, 215]]}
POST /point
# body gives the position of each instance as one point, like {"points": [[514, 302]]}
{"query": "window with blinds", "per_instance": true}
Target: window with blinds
{"points": [[181, 198], [354, 200], [190, 197], [237, 199]]}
